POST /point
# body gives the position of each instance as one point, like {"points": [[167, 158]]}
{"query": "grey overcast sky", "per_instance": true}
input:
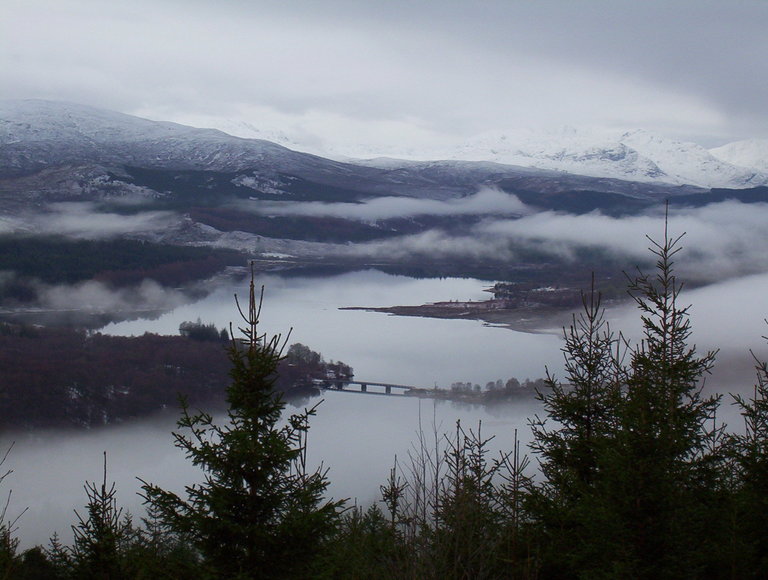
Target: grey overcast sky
{"points": [[397, 73]]}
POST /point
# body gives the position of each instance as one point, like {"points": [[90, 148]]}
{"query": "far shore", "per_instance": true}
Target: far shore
{"points": [[532, 319]]}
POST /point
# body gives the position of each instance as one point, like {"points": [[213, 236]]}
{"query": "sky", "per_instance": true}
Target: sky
{"points": [[397, 76]]}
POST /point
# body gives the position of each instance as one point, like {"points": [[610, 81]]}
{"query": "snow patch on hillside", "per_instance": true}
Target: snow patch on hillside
{"points": [[635, 155], [751, 153]]}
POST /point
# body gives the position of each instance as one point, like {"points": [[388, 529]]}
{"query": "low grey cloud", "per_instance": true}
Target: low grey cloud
{"points": [[487, 201], [436, 244], [82, 220], [93, 296], [722, 240]]}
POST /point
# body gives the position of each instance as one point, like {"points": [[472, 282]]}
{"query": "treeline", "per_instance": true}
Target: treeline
{"points": [[636, 479], [118, 262], [61, 377], [496, 391]]}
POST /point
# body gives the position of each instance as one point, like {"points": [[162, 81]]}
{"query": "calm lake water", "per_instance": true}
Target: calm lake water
{"points": [[356, 436], [380, 347]]}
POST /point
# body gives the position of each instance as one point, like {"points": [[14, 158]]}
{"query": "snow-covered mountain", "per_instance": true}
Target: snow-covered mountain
{"points": [[65, 147], [35, 134], [62, 151], [634, 155], [752, 153], [57, 152], [53, 151]]}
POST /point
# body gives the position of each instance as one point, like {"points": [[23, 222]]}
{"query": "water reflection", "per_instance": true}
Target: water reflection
{"points": [[415, 351], [356, 436]]}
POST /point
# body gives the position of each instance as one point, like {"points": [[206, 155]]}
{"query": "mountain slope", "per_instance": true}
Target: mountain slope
{"points": [[634, 155], [36, 135], [752, 153], [53, 151]]}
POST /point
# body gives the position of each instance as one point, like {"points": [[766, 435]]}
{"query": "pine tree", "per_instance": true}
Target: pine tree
{"points": [[9, 559], [259, 512], [750, 454], [59, 556], [581, 421], [664, 468], [97, 535], [632, 465]]}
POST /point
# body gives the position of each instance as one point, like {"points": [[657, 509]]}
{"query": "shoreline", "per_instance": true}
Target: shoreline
{"points": [[529, 319]]}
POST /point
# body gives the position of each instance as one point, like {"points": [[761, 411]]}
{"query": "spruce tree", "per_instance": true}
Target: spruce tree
{"points": [[750, 461], [259, 513], [9, 559], [661, 474], [98, 535], [580, 422], [632, 462]]}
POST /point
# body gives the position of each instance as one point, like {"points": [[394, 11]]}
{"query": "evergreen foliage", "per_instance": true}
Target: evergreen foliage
{"points": [[584, 411], [454, 512], [9, 544], [637, 479], [633, 462], [663, 466], [259, 512], [95, 552], [750, 461]]}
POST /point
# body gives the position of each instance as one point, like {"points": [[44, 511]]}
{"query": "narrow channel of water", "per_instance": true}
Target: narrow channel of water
{"points": [[355, 436]]}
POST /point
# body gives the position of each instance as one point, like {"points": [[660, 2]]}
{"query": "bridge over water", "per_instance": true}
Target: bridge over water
{"points": [[363, 387]]}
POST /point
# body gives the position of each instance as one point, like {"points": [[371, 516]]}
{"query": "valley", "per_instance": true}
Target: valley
{"points": [[106, 202]]}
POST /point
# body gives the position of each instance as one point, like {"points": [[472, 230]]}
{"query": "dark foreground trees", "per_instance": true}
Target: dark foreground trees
{"points": [[633, 461], [637, 479], [259, 513]]}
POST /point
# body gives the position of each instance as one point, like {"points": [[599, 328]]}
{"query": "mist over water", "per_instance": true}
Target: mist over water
{"points": [[356, 436], [405, 350]]}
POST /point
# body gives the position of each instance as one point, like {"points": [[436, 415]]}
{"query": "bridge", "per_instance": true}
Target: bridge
{"points": [[364, 387]]}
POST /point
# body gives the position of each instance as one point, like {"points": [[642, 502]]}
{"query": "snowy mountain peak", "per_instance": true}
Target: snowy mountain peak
{"points": [[35, 134], [637, 155], [37, 120], [751, 153]]}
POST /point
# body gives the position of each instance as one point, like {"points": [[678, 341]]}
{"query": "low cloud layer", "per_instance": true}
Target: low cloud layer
{"points": [[82, 220], [487, 201], [722, 240], [93, 296]]}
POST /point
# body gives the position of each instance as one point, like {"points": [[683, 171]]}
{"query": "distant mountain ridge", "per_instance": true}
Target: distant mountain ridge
{"points": [[36, 134], [52, 151], [82, 172], [633, 155]]}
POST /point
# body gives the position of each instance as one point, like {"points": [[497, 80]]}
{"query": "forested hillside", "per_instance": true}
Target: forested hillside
{"points": [[60, 377]]}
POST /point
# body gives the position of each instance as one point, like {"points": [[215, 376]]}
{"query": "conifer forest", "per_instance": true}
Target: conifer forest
{"points": [[629, 474]]}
